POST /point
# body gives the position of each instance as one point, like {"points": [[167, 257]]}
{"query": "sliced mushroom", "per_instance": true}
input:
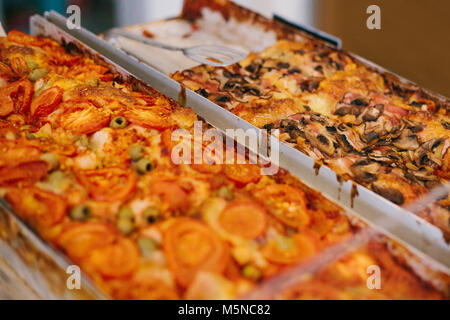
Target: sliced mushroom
{"points": [[391, 194], [365, 170], [407, 141], [321, 142], [373, 113], [413, 126], [343, 109]]}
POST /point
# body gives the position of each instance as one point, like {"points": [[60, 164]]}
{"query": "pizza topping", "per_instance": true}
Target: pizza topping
{"points": [[80, 213], [143, 166], [109, 184], [16, 97], [37, 74], [286, 204], [244, 219], [190, 247], [287, 250], [46, 102], [82, 117], [118, 123], [42, 207], [243, 174]]}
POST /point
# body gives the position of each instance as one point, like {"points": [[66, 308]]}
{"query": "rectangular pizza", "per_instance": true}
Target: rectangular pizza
{"points": [[365, 125], [86, 161]]}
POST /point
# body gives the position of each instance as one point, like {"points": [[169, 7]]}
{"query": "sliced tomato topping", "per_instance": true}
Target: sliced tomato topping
{"points": [[23, 173], [244, 219], [6, 127], [189, 247], [15, 153], [25, 39], [6, 71], [16, 97], [19, 66], [314, 290], [155, 117], [288, 250], [46, 102], [117, 259], [109, 184], [171, 194], [146, 285], [208, 168], [243, 174], [79, 239], [42, 207], [285, 203], [82, 117]]}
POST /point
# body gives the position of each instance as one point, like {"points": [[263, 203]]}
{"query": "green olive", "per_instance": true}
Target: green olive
{"points": [[52, 159], [83, 141], [31, 63], [36, 74], [80, 213], [226, 193], [152, 214], [146, 245], [285, 243], [136, 152], [143, 166], [126, 213], [118, 123], [95, 82], [30, 135], [126, 226], [251, 272]]}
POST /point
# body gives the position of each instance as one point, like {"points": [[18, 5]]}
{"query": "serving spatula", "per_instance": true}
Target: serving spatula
{"points": [[213, 55]]}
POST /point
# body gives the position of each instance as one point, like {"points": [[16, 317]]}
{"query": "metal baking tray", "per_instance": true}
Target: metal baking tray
{"points": [[42, 267], [389, 216]]}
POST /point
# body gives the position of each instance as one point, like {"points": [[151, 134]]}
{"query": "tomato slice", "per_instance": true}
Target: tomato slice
{"points": [[79, 239], [117, 259], [189, 247], [109, 184], [6, 71], [25, 39], [285, 250], [146, 284], [16, 97], [154, 117], [24, 173], [171, 194], [208, 168], [16, 153], [46, 102], [244, 219], [43, 207], [82, 117], [19, 66], [243, 174], [314, 290], [285, 203]]}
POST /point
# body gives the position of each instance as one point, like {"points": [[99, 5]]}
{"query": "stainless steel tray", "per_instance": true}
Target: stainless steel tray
{"points": [[398, 221], [40, 265]]}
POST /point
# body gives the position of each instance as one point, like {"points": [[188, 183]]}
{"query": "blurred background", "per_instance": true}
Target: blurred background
{"points": [[413, 41]]}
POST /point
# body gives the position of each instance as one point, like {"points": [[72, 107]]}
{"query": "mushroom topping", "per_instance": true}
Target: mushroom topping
{"points": [[365, 170], [320, 141], [391, 194], [343, 109], [384, 155], [413, 126], [373, 113], [407, 141], [446, 125], [310, 85]]}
